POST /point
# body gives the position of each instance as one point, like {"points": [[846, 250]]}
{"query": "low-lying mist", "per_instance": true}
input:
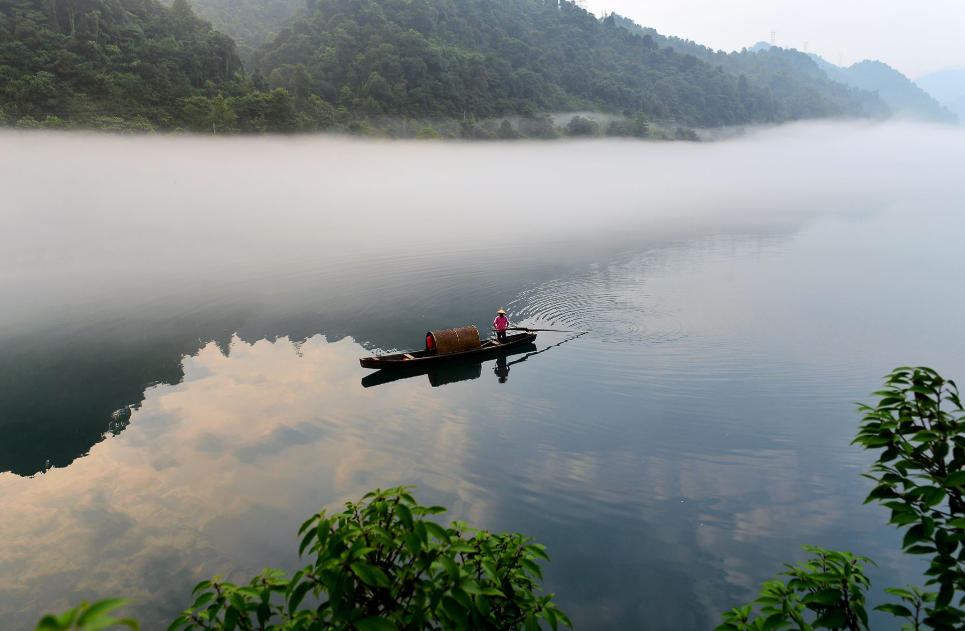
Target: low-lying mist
{"points": [[86, 215]]}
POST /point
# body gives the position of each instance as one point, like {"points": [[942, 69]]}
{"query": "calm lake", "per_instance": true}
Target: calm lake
{"points": [[181, 322]]}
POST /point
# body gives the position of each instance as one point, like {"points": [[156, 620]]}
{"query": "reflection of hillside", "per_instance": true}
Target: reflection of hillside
{"points": [[178, 492], [60, 395]]}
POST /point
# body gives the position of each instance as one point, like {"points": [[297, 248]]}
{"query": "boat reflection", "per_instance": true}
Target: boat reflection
{"points": [[452, 372], [462, 370], [501, 370]]}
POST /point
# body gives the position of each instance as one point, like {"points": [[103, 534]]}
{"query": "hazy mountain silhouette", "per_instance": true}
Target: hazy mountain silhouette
{"points": [[948, 87], [898, 91], [791, 78]]}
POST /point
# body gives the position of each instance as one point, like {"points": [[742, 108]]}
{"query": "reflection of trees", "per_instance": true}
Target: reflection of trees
{"points": [[62, 394], [120, 419]]}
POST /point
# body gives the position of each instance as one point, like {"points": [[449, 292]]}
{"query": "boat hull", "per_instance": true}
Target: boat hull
{"points": [[414, 359]]}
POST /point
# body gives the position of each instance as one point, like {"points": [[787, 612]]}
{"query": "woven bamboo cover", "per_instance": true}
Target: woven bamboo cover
{"points": [[456, 340]]}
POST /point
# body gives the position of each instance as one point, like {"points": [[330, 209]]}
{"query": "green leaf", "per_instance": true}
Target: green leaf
{"points": [[405, 515], [833, 619], [49, 623], [917, 549], [99, 609], [469, 586], [562, 617], [945, 595], [901, 519], [455, 611], [200, 586], [914, 535], [178, 623], [412, 543], [775, 621], [238, 602], [436, 531], [955, 479], [490, 570], [531, 567], [370, 575], [103, 622], [451, 568], [297, 595], [901, 593], [895, 610], [537, 551], [826, 597], [373, 623]]}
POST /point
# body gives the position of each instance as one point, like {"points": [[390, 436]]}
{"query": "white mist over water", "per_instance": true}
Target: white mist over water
{"points": [[87, 214]]}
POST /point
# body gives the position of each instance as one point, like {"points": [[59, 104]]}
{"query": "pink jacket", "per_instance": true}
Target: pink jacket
{"points": [[501, 322]]}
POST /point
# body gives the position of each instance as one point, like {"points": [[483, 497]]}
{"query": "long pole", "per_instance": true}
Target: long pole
{"points": [[520, 328]]}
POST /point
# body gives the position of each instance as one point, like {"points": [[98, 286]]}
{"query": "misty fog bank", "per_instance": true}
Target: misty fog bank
{"points": [[82, 211]]}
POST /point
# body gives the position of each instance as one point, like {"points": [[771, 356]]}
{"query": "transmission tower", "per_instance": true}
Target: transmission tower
{"points": [[773, 38], [805, 47]]}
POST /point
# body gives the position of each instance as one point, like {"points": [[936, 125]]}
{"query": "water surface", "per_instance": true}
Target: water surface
{"points": [[181, 319]]}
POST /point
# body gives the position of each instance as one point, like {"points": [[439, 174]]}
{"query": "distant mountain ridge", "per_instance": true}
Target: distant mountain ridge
{"points": [[900, 93], [903, 97], [790, 77], [948, 87]]}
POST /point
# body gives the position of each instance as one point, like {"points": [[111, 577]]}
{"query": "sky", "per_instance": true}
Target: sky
{"points": [[914, 36]]}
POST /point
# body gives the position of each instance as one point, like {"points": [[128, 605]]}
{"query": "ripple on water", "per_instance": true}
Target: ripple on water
{"points": [[612, 302]]}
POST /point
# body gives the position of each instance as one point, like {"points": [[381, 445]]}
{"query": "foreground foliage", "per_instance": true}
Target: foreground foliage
{"points": [[88, 618], [382, 565], [918, 426]]}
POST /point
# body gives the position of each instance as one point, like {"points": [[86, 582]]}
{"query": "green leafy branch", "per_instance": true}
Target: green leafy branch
{"points": [[381, 565], [917, 426]]}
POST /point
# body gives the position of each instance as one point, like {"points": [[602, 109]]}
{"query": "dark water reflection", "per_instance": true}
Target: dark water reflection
{"points": [[166, 428]]}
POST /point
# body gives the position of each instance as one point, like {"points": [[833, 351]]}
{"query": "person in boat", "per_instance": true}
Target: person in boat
{"points": [[500, 324]]}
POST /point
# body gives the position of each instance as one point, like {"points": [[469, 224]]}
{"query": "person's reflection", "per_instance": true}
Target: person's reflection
{"points": [[501, 369]]}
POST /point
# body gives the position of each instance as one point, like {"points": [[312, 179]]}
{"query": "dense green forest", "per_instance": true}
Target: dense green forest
{"points": [[249, 22], [130, 65], [798, 87], [109, 61], [388, 67], [493, 58]]}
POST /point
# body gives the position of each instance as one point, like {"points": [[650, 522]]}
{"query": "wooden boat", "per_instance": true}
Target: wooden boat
{"points": [[413, 359], [441, 374]]}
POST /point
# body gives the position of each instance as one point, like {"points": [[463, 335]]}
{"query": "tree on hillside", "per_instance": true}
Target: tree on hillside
{"points": [[582, 127], [428, 133]]}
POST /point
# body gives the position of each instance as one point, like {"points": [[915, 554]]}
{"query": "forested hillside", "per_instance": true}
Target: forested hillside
{"points": [[902, 96], [799, 88], [122, 64], [249, 22], [496, 57], [109, 60]]}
